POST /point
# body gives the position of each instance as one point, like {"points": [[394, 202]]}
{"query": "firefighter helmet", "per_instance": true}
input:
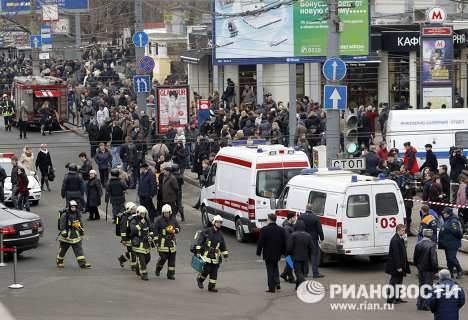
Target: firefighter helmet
{"points": [[130, 206], [141, 209], [217, 218], [166, 208]]}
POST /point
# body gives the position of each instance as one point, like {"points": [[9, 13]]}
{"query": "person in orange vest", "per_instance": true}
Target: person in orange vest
{"points": [[409, 160]]}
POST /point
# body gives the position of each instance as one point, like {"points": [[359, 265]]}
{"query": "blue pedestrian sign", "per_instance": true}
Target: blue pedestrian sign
{"points": [[334, 69], [335, 97], [140, 39], [35, 41], [141, 83], [145, 65]]}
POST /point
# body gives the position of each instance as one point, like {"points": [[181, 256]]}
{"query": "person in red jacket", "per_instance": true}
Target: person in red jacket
{"points": [[409, 160], [383, 151]]}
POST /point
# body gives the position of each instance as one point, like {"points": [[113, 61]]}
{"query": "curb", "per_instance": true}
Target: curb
{"points": [[74, 129]]}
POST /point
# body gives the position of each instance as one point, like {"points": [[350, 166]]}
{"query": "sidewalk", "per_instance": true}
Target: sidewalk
{"points": [[78, 130]]}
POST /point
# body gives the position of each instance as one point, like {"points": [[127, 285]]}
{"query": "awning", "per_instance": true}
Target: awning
{"points": [[194, 56], [47, 93]]}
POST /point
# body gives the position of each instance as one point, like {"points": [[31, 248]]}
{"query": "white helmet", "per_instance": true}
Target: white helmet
{"points": [[130, 206], [217, 218], [141, 209], [73, 203], [166, 208]]}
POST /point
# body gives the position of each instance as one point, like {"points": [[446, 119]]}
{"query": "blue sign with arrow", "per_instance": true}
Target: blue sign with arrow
{"points": [[334, 69], [141, 83], [35, 41], [140, 39], [335, 97]]}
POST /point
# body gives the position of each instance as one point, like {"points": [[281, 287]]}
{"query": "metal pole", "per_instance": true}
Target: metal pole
{"points": [[15, 285], [333, 115], [140, 52], [292, 103], [78, 45], [2, 261], [35, 29]]}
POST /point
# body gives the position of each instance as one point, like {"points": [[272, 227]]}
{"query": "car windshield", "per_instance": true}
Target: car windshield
{"points": [[270, 183], [8, 166]]}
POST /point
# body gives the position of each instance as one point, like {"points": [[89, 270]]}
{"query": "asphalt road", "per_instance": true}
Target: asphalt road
{"points": [[108, 292]]}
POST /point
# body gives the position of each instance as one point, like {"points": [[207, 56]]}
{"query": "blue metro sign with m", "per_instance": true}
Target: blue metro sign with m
{"points": [[23, 6]]}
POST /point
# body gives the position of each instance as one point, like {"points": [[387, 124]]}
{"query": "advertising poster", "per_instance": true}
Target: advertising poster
{"points": [[437, 96], [24, 6], [203, 112], [172, 107], [292, 31], [437, 60]]}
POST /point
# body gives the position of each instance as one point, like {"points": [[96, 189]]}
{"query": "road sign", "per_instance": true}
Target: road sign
{"points": [[46, 37], [145, 65], [349, 164], [35, 41], [140, 39], [335, 97], [141, 83], [334, 69]]}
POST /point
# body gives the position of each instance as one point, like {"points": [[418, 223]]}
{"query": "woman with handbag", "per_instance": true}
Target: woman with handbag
{"points": [[44, 164], [22, 191]]}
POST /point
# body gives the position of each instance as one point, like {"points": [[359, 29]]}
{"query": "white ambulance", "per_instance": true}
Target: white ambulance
{"points": [[241, 181], [358, 213]]}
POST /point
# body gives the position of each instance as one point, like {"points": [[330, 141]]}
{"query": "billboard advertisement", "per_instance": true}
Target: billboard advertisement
{"points": [[24, 7], [173, 103], [437, 56], [254, 31], [437, 65]]}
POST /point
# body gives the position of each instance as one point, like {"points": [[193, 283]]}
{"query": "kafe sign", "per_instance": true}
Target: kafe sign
{"points": [[436, 15]]}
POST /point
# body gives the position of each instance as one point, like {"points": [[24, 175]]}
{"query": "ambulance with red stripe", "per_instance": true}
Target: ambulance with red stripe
{"points": [[358, 213], [241, 181]]}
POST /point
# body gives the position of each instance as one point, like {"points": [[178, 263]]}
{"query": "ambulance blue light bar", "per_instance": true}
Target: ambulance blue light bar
{"points": [[309, 171], [250, 142]]}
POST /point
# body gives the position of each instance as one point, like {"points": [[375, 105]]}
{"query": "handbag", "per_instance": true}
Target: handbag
{"points": [[51, 174], [197, 264]]}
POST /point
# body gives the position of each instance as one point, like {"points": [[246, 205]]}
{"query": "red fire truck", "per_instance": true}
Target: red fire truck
{"points": [[38, 91]]}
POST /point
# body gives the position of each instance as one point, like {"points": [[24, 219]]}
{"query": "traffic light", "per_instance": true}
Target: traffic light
{"points": [[351, 145]]}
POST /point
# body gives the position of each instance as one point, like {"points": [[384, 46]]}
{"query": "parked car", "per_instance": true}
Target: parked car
{"points": [[34, 186], [21, 229]]}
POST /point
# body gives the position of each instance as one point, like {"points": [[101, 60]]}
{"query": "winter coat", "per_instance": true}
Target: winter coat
{"points": [[265, 129], [410, 161], [431, 162], [462, 195], [397, 257], [158, 149], [27, 162], [447, 298], [128, 153], [147, 186], [451, 234], [85, 168], [72, 186], [43, 162], [372, 161], [425, 256], [169, 188], [103, 159], [272, 242], [117, 136], [180, 157], [457, 165], [300, 243], [115, 190], [312, 226], [93, 193]]}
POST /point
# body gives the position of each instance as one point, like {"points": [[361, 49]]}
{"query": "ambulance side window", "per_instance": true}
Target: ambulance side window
{"points": [[316, 203], [282, 201], [211, 176], [386, 204], [358, 206]]}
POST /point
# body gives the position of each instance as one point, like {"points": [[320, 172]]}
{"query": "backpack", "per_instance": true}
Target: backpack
{"points": [[118, 221], [60, 215]]}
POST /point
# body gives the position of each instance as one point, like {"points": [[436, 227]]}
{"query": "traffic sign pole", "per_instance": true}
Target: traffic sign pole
{"points": [[140, 49], [333, 133]]}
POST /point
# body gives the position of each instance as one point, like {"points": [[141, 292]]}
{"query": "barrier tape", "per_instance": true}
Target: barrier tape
{"points": [[7, 249], [445, 204]]}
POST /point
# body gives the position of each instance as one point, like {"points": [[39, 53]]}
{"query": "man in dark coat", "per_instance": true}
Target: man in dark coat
{"points": [[447, 298], [299, 247], [372, 161], [272, 242], [72, 185], [397, 264], [3, 176], [115, 193], [431, 160], [131, 164], [288, 226], [147, 189], [425, 259], [314, 228], [93, 195], [458, 163], [450, 240], [168, 187]]}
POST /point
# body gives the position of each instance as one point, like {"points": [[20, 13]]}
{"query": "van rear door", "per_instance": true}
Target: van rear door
{"points": [[357, 225], [386, 209]]}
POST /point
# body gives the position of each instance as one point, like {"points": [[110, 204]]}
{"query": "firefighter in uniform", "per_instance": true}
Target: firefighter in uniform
{"points": [[210, 247], [71, 231], [8, 111], [123, 222], [165, 227], [141, 241]]}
